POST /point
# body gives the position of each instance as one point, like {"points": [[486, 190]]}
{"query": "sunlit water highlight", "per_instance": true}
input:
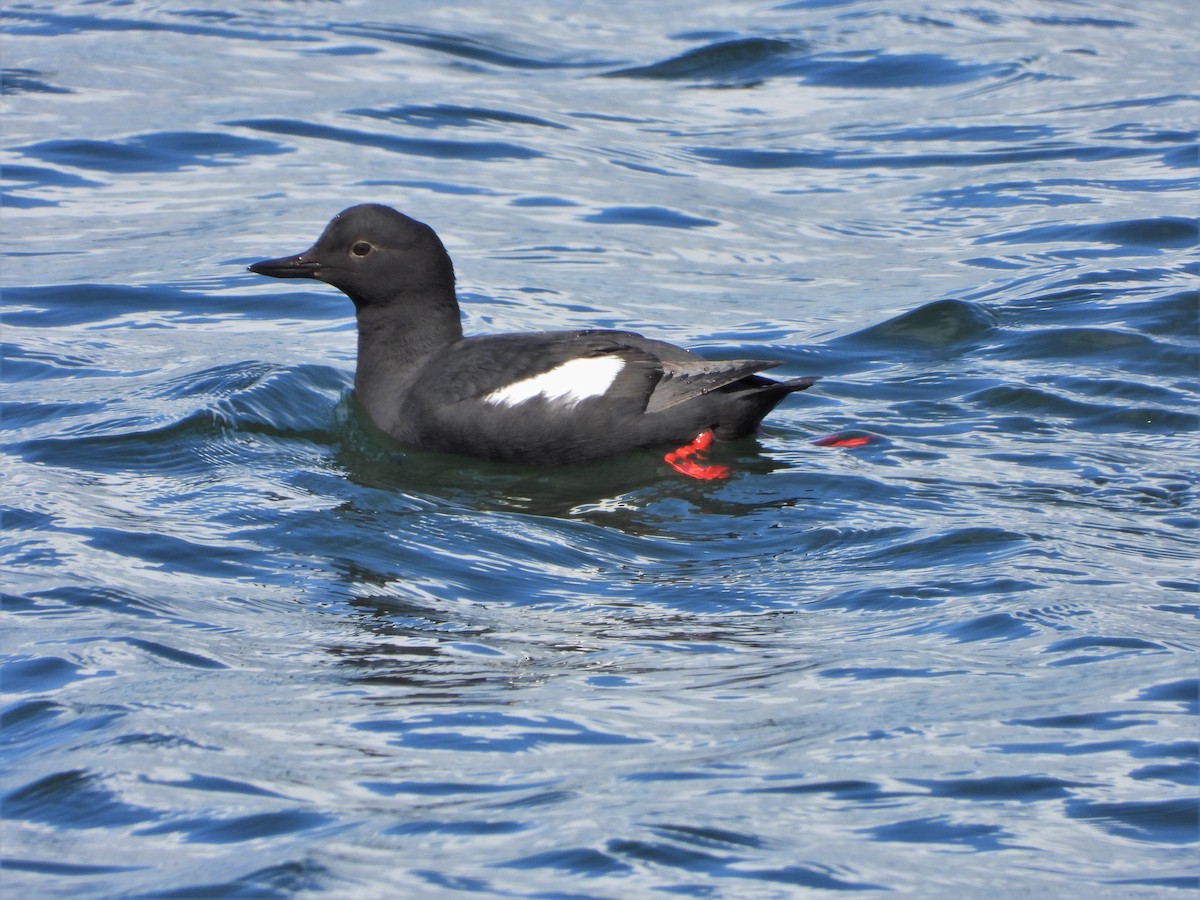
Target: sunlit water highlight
{"points": [[249, 652]]}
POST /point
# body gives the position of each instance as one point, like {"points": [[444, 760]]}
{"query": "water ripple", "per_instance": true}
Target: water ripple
{"points": [[250, 649], [158, 152], [440, 149]]}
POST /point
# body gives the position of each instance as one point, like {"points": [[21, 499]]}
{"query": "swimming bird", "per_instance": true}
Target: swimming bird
{"points": [[542, 398]]}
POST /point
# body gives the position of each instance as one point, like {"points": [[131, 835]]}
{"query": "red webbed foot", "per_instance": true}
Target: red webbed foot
{"points": [[691, 459]]}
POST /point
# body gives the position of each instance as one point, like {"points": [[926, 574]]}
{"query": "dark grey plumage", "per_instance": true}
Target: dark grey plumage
{"points": [[543, 397]]}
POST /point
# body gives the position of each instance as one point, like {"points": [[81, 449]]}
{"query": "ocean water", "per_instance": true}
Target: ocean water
{"points": [[247, 651]]}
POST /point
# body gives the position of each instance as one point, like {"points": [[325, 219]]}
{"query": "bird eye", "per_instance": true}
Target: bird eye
{"points": [[360, 248]]}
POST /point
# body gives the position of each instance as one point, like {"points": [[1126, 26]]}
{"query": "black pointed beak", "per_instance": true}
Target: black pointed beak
{"points": [[300, 266]]}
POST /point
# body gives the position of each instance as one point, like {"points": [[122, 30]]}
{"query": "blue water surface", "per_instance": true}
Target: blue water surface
{"points": [[248, 651]]}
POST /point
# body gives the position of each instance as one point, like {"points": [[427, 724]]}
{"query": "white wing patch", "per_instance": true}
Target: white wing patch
{"points": [[574, 380]]}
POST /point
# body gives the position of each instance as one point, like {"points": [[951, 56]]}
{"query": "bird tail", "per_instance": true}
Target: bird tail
{"points": [[794, 384], [757, 396]]}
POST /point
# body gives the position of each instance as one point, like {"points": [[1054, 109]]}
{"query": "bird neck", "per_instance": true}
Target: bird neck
{"points": [[393, 343]]}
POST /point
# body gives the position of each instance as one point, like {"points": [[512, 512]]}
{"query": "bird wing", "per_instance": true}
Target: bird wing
{"points": [[686, 380], [659, 375], [481, 366]]}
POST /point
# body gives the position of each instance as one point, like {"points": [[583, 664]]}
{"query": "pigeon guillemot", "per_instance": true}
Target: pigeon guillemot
{"points": [[541, 398]]}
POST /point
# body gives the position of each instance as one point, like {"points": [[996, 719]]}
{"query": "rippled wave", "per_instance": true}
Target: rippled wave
{"points": [[252, 650]]}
